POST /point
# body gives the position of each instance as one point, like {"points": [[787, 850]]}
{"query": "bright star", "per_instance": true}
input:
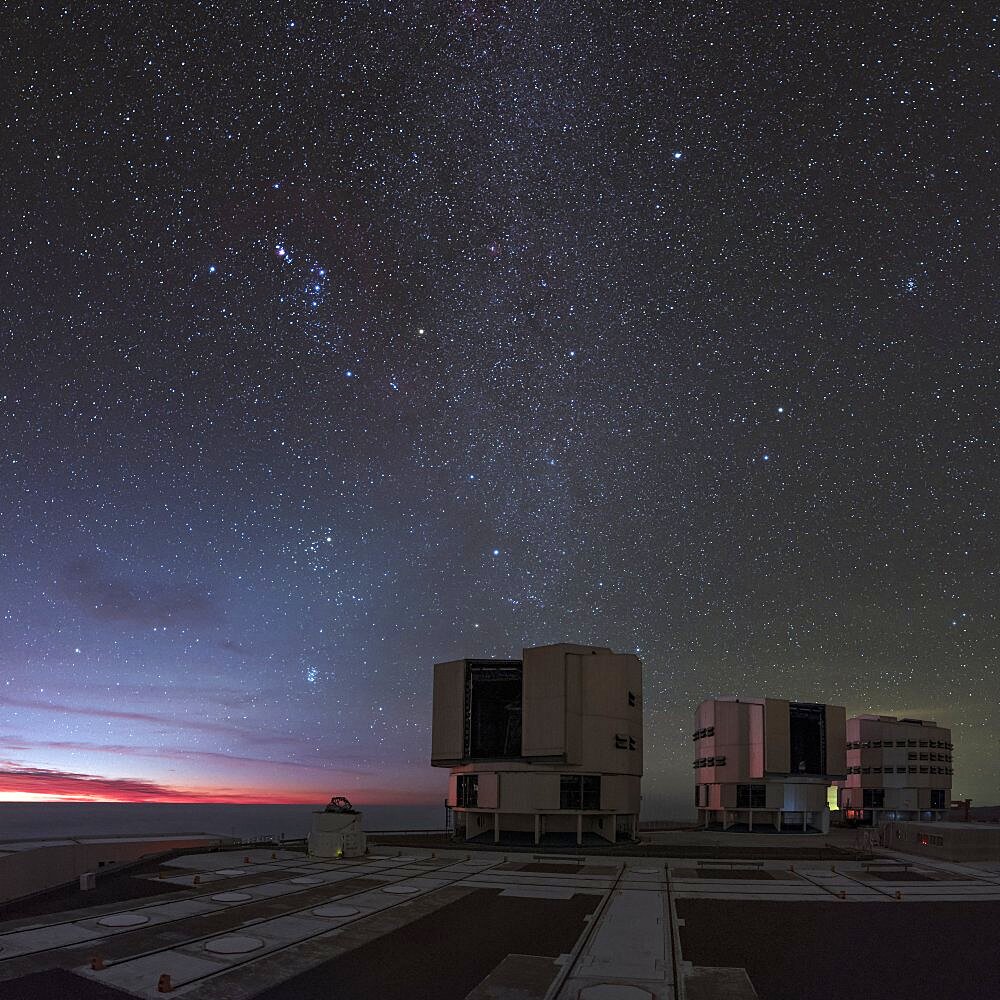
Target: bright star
{"points": [[678, 154]]}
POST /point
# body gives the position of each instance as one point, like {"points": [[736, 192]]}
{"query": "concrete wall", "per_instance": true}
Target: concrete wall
{"points": [[489, 791], [620, 792], [27, 871], [947, 841], [528, 792]]}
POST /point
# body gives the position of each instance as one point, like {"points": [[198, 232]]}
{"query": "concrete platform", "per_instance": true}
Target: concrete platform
{"points": [[451, 925]]}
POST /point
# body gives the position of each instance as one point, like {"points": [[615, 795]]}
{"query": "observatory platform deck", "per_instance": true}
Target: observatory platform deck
{"points": [[458, 925]]}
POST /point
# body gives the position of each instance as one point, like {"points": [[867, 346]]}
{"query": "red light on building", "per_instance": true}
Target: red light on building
{"points": [[924, 840]]}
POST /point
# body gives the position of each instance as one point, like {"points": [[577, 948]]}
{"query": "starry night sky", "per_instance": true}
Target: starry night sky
{"points": [[340, 339]]}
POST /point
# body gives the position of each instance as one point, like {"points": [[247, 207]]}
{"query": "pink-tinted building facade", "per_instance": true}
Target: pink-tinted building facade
{"points": [[897, 769], [767, 762]]}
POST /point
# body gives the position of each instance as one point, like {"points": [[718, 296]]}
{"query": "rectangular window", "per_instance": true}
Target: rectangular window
{"points": [[580, 791], [467, 794], [873, 798], [569, 791], [631, 699], [751, 796]]}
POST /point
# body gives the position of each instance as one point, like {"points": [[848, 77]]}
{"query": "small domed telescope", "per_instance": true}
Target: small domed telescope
{"points": [[339, 804], [336, 831]]}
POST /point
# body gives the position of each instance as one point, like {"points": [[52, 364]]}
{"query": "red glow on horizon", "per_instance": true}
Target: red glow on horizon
{"points": [[28, 784]]}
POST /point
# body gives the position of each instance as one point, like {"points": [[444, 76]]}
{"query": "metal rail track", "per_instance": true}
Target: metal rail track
{"points": [[244, 928], [555, 987], [152, 905]]}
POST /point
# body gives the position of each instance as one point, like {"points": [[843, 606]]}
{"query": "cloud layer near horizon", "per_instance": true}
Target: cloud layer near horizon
{"points": [[52, 783]]}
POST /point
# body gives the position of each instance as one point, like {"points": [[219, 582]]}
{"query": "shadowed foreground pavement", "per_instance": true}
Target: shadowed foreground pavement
{"points": [[445, 955], [828, 951]]}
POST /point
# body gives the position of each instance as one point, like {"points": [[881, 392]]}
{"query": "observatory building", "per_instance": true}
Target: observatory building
{"points": [[767, 762], [336, 831], [545, 747], [897, 769]]}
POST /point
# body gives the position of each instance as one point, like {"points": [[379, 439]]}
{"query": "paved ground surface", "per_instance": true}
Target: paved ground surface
{"points": [[413, 924], [57, 984], [476, 925], [449, 952], [826, 951]]}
